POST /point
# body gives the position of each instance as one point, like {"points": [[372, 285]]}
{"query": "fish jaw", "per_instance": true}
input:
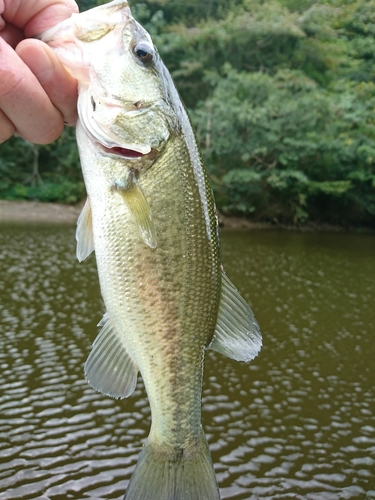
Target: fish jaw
{"points": [[70, 38], [114, 105], [96, 47], [114, 127]]}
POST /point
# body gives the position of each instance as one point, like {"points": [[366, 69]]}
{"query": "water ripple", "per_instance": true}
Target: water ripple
{"points": [[298, 422]]}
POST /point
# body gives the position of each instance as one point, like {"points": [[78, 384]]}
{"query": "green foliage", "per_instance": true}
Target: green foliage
{"points": [[273, 125], [64, 192], [45, 173], [282, 97], [306, 130]]}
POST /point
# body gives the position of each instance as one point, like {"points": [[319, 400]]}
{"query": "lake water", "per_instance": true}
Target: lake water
{"points": [[296, 423]]}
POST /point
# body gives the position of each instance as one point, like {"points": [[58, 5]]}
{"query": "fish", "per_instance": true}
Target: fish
{"points": [[150, 217]]}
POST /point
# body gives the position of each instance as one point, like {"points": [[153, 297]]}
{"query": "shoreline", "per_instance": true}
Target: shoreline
{"points": [[38, 212], [57, 213]]}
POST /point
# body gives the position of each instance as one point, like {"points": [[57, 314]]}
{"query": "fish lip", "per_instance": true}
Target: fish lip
{"points": [[109, 145], [126, 153], [119, 151], [115, 150]]}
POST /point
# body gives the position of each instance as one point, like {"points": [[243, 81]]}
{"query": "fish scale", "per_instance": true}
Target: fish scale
{"points": [[178, 284], [150, 217]]}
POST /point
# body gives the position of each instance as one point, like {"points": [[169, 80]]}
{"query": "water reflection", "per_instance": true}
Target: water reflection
{"points": [[298, 422]]}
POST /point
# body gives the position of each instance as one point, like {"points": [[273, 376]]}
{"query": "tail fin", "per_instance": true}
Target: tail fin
{"points": [[169, 474]]}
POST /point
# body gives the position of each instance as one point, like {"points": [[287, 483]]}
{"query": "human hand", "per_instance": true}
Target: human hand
{"points": [[37, 94]]}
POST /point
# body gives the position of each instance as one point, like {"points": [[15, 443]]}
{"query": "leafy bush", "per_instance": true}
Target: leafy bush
{"points": [[282, 97], [65, 192]]}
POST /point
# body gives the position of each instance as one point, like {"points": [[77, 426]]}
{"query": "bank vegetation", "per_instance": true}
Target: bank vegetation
{"points": [[282, 97]]}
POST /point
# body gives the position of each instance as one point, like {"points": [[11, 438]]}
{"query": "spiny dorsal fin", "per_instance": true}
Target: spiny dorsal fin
{"points": [[109, 368], [139, 208], [84, 233], [237, 334]]}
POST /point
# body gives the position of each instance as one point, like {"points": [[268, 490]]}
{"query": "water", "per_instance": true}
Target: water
{"points": [[296, 423]]}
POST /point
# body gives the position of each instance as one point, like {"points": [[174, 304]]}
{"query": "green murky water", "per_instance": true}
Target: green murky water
{"points": [[296, 423]]}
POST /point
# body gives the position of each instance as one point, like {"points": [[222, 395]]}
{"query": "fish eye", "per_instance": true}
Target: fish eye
{"points": [[144, 52]]}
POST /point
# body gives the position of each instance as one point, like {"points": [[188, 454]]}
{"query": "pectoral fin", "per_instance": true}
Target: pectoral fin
{"points": [[139, 208], [237, 333], [84, 233], [109, 368]]}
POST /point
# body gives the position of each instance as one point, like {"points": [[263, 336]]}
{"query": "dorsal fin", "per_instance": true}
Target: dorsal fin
{"points": [[109, 368], [84, 233], [237, 334]]}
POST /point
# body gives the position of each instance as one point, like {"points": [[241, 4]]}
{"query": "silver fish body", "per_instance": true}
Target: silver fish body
{"points": [[150, 217]]}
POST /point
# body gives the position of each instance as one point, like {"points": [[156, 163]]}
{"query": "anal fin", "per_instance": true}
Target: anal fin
{"points": [[237, 334], [84, 233], [109, 368]]}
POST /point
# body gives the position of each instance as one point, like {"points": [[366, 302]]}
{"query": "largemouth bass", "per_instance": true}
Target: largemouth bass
{"points": [[150, 217]]}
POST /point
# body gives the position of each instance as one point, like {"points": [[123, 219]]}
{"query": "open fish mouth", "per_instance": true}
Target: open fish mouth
{"points": [[130, 154]]}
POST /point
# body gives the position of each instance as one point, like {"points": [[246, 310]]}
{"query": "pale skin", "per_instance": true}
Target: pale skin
{"points": [[37, 94]]}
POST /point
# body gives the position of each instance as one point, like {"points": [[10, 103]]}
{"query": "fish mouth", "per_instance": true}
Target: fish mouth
{"points": [[130, 154]]}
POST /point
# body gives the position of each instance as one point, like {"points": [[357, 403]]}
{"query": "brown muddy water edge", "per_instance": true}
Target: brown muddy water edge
{"points": [[38, 212]]}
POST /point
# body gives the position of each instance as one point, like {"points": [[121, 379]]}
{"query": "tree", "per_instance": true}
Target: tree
{"points": [[281, 93]]}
